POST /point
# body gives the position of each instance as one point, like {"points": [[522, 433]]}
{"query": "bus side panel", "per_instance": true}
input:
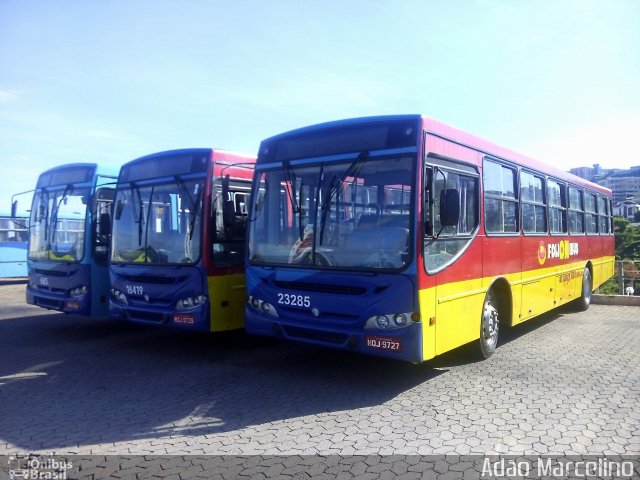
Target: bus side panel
{"points": [[458, 307], [604, 261], [503, 259], [459, 298], [13, 259], [227, 297], [540, 277]]}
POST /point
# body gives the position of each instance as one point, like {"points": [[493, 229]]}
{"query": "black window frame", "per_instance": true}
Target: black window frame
{"points": [[593, 212], [562, 208], [542, 204], [501, 198], [604, 218], [579, 210], [431, 162]]}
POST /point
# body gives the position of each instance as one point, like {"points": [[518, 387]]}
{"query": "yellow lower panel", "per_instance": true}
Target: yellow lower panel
{"points": [[227, 296], [451, 312]]}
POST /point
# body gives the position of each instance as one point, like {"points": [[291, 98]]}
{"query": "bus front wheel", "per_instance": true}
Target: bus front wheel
{"points": [[489, 326]]}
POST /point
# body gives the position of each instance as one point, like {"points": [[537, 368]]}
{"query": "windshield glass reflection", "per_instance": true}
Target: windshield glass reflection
{"points": [[158, 224], [350, 214], [57, 224]]}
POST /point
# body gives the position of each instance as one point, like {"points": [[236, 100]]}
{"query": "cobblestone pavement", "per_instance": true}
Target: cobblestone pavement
{"points": [[566, 383]]}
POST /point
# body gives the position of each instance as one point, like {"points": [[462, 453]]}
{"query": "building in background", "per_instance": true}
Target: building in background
{"points": [[629, 209], [624, 183]]}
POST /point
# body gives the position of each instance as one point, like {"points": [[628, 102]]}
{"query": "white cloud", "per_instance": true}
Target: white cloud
{"points": [[8, 96]]}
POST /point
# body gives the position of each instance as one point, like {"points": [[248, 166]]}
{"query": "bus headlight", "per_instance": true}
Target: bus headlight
{"points": [[391, 321], [382, 321], [191, 302], [119, 296], [400, 319], [79, 292], [262, 306]]}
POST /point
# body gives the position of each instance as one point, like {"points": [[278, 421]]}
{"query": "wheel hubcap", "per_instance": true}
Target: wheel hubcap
{"points": [[490, 324], [586, 286]]}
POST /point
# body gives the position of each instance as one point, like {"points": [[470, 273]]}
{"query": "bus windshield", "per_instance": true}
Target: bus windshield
{"points": [[353, 214], [158, 223], [57, 224]]}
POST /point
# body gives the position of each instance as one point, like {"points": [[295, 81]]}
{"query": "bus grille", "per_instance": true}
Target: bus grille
{"points": [[145, 316], [55, 273], [42, 288], [322, 288], [49, 303], [326, 337]]}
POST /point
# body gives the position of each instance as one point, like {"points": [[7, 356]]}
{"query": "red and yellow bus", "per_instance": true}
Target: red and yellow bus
{"points": [[404, 237], [177, 250]]}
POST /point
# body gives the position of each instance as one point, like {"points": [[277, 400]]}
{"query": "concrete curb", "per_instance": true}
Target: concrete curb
{"points": [[628, 300], [13, 280]]}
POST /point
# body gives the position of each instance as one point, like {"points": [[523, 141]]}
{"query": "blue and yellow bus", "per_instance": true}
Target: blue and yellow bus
{"points": [[177, 255], [13, 245], [69, 239], [403, 237]]}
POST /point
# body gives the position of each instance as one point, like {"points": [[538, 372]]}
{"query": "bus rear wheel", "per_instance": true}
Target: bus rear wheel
{"points": [[489, 327], [584, 301]]}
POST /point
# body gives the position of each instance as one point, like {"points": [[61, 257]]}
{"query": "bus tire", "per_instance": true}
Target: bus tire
{"points": [[489, 326], [584, 301]]}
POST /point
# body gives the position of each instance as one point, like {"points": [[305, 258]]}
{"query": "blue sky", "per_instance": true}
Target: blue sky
{"points": [[109, 81]]}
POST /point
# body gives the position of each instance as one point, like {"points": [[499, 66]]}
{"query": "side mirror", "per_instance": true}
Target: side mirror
{"points": [[14, 209], [449, 207]]}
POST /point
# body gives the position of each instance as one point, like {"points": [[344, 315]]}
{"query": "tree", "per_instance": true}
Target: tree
{"points": [[627, 240]]}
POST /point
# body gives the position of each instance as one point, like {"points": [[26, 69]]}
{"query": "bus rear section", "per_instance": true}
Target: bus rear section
{"points": [[14, 235], [403, 237], [178, 239], [67, 263]]}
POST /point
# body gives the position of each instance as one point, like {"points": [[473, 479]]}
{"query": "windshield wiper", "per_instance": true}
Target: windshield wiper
{"points": [[196, 210], [45, 212], [296, 205], [193, 204], [335, 186], [54, 214], [137, 212]]}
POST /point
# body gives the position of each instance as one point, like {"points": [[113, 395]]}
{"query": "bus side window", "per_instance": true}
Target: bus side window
{"points": [[442, 246]]}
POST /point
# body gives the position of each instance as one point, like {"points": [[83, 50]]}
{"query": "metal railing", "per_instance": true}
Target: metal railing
{"points": [[626, 280]]}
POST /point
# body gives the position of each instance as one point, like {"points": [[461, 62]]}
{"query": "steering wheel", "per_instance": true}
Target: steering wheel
{"points": [[321, 259], [152, 255]]}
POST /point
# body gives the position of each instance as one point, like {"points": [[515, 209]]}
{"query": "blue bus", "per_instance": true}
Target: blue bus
{"points": [[177, 257], [403, 237], [13, 245], [69, 237]]}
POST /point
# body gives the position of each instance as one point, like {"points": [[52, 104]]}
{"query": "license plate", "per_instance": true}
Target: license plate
{"points": [[384, 343], [73, 305], [183, 319]]}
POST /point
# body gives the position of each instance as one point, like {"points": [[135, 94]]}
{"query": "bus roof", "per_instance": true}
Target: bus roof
{"points": [[448, 132], [83, 173], [169, 163], [218, 154]]}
